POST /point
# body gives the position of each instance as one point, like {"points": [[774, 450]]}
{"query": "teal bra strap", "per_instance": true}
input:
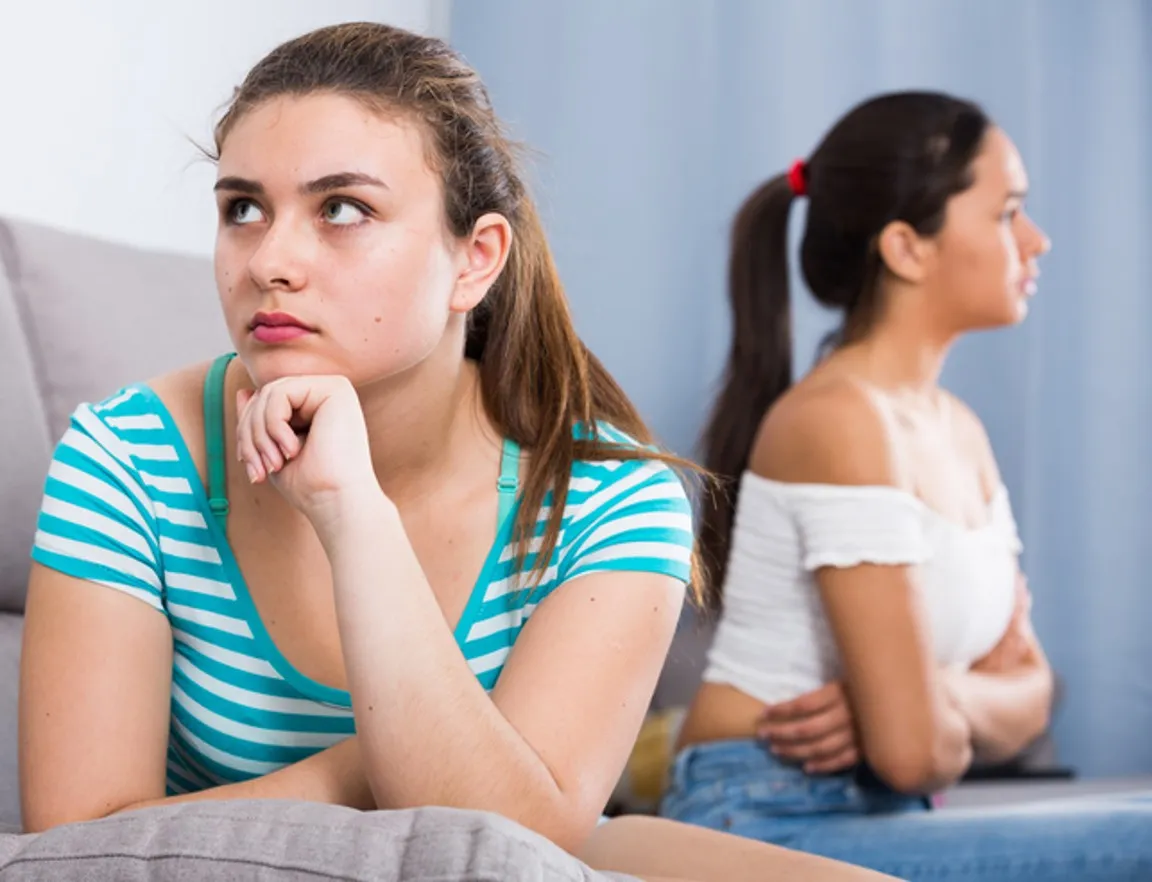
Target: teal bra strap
{"points": [[509, 480], [507, 484], [214, 439]]}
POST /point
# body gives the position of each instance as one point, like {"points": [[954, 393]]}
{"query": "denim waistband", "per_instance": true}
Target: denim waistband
{"points": [[748, 763]]}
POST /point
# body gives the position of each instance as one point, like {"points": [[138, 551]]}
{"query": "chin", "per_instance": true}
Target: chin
{"points": [[1018, 308], [266, 363], [1009, 312]]}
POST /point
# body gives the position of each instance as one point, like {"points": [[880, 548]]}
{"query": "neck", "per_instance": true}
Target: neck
{"points": [[428, 424], [905, 354]]}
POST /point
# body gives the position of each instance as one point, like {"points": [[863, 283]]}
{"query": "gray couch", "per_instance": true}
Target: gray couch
{"points": [[78, 319]]}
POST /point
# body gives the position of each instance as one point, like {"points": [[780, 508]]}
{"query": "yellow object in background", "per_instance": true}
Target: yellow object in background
{"points": [[642, 783]]}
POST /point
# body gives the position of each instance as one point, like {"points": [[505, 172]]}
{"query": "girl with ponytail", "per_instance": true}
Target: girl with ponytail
{"points": [[875, 636]]}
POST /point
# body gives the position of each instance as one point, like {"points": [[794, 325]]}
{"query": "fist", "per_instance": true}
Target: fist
{"points": [[307, 436]]}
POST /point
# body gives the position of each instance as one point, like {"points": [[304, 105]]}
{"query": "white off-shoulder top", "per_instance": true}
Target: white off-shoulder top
{"points": [[773, 640]]}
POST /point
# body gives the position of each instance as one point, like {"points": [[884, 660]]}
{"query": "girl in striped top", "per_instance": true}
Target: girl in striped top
{"points": [[412, 546]]}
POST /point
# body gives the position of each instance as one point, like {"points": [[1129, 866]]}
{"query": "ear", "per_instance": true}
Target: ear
{"points": [[484, 254], [906, 254]]}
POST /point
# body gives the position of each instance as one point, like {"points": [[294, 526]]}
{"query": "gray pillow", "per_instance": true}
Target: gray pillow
{"points": [[284, 840]]}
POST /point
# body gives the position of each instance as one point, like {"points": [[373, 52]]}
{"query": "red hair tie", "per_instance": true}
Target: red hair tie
{"points": [[798, 178]]}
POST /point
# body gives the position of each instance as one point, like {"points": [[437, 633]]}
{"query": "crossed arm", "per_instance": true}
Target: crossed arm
{"points": [[1004, 698], [918, 725]]}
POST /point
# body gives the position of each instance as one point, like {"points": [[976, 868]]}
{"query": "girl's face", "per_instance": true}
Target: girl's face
{"points": [[333, 255], [985, 269]]}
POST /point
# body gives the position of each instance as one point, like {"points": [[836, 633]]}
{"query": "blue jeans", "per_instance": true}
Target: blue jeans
{"points": [[739, 787]]}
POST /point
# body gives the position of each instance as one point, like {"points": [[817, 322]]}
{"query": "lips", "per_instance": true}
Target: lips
{"points": [[277, 320], [278, 327]]}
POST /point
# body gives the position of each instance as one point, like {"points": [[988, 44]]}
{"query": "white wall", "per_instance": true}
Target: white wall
{"points": [[98, 102]]}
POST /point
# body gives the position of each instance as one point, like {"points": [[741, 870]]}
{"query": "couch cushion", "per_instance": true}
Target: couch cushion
{"points": [[10, 627], [89, 317], [24, 438], [102, 315], [275, 839]]}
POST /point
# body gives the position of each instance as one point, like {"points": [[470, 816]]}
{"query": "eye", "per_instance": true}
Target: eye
{"points": [[243, 211], [342, 213], [1013, 208]]}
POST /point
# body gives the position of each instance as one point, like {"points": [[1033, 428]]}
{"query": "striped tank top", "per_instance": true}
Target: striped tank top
{"points": [[124, 508]]}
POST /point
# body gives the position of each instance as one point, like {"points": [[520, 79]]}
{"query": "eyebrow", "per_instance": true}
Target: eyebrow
{"points": [[239, 185], [1016, 194], [341, 180], [326, 184]]}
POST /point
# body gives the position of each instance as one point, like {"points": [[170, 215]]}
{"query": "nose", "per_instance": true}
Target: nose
{"points": [[280, 260], [1033, 240]]}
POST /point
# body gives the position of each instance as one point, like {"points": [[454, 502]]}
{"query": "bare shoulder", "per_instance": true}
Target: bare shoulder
{"points": [[832, 430], [973, 439], [182, 393]]}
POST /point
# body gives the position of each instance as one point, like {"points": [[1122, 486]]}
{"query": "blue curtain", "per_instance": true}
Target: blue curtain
{"points": [[651, 120]]}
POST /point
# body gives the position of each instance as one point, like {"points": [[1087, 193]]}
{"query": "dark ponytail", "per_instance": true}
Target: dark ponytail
{"points": [[759, 368], [896, 157]]}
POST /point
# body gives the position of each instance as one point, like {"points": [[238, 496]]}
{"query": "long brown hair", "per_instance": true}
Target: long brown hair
{"points": [[900, 156], [541, 386]]}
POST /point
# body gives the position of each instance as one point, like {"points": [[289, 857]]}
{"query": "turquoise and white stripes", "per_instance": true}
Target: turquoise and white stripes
{"points": [[123, 507]]}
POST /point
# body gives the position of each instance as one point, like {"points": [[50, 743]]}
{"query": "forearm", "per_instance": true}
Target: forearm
{"points": [[429, 733], [1006, 711], [924, 755], [333, 776], [913, 735], [953, 749]]}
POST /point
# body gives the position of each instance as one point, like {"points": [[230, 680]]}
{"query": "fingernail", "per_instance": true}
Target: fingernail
{"points": [[252, 473]]}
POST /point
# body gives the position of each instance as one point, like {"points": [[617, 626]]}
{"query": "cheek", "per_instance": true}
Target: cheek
{"points": [[228, 280], [989, 292], [986, 261], [396, 302], [1010, 247]]}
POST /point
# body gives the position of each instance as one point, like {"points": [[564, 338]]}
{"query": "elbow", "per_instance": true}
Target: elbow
{"points": [[568, 835], [1045, 707], [924, 767], [39, 815], [569, 828], [32, 822], [920, 775], [40, 818], [1026, 732], [40, 821], [1033, 729], [565, 822]]}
